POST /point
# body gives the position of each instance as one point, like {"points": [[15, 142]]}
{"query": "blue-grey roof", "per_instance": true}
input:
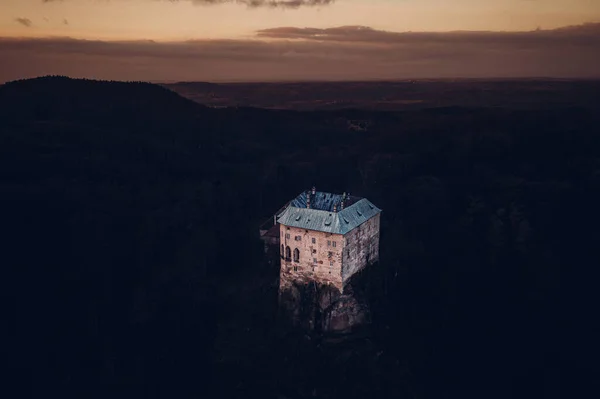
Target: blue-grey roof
{"points": [[319, 200], [320, 215]]}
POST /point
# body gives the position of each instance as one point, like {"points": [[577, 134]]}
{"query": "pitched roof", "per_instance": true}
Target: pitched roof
{"points": [[320, 215], [319, 200]]}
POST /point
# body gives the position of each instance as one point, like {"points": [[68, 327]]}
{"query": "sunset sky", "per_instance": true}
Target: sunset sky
{"points": [[255, 40]]}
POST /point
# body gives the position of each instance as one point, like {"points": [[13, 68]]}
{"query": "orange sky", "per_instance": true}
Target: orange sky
{"points": [[189, 19], [169, 40]]}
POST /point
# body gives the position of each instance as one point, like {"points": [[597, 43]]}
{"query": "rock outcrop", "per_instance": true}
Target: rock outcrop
{"points": [[321, 307], [345, 314]]}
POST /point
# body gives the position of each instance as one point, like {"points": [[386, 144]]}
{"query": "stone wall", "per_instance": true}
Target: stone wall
{"points": [[361, 248], [328, 265]]}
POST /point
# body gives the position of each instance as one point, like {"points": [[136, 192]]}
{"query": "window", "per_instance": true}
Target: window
{"points": [[296, 255], [330, 263], [328, 243], [282, 250], [314, 240], [298, 238], [295, 268], [287, 236], [334, 244], [288, 253], [314, 260]]}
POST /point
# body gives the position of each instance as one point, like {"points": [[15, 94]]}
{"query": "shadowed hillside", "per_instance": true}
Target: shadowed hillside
{"points": [[131, 264], [49, 98]]}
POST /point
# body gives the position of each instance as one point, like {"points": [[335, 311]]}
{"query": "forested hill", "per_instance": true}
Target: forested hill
{"points": [[131, 265], [57, 97]]}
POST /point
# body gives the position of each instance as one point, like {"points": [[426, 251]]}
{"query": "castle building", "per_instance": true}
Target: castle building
{"points": [[326, 238]]}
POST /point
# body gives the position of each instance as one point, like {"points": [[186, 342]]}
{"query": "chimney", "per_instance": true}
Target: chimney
{"points": [[335, 208], [314, 190], [308, 199]]}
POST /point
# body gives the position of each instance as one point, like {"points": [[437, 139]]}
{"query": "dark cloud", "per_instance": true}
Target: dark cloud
{"points": [[24, 21], [65, 21], [292, 4], [345, 53], [579, 34]]}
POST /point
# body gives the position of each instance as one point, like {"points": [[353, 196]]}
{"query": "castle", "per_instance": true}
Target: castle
{"points": [[326, 238]]}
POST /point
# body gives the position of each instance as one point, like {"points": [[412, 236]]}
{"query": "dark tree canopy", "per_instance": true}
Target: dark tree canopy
{"points": [[131, 263]]}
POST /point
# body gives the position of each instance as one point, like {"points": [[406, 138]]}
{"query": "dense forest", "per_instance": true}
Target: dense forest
{"points": [[131, 263]]}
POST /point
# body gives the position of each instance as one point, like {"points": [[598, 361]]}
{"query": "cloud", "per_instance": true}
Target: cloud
{"points": [[341, 53], [580, 33], [290, 4], [65, 21], [24, 21]]}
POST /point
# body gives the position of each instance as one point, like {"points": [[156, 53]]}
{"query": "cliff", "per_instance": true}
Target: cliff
{"points": [[322, 307]]}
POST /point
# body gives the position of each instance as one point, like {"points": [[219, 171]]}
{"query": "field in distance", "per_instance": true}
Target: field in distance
{"points": [[392, 96]]}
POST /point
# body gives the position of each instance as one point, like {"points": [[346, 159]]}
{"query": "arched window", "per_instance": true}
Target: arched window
{"points": [[288, 253], [296, 255], [282, 250]]}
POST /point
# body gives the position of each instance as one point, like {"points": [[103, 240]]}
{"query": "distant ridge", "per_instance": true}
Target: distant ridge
{"points": [[55, 97], [395, 95], [197, 84]]}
